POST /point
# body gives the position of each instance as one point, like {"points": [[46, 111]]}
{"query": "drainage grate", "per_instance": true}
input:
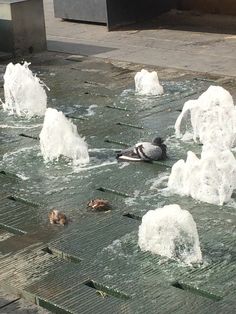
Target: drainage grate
{"points": [[22, 200], [132, 216], [130, 125], [9, 175], [51, 306], [106, 291], [59, 253], [103, 189], [118, 108], [29, 136], [12, 229], [204, 79], [195, 290], [76, 117], [7, 304]]}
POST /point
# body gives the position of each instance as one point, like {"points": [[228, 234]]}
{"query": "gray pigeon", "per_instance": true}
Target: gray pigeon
{"points": [[144, 151]]}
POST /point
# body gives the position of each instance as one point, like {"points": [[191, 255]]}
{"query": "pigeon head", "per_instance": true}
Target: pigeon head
{"points": [[157, 141]]}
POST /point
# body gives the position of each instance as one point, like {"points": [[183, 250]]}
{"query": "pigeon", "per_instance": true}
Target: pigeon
{"points": [[144, 151]]}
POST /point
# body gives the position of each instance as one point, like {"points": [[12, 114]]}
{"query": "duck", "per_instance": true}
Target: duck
{"points": [[56, 217], [99, 205], [144, 151]]}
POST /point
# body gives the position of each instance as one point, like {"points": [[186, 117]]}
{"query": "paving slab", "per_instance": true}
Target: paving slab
{"points": [[10, 303], [177, 39]]}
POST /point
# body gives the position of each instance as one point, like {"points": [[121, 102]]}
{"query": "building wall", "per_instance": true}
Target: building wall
{"points": [[209, 6]]}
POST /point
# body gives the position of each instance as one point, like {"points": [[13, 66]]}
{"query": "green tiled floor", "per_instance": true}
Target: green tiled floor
{"points": [[64, 268]]}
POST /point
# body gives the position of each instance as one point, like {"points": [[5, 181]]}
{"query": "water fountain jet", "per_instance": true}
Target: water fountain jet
{"points": [[24, 92], [170, 231], [147, 83], [210, 119], [211, 178], [59, 137]]}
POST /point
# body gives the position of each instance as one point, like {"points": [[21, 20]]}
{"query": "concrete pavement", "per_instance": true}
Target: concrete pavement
{"points": [[151, 44]]}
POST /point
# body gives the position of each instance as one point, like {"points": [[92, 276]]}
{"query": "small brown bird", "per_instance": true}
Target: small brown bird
{"points": [[99, 205], [56, 217]]}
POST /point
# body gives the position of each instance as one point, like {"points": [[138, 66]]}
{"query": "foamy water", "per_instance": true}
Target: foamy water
{"points": [[170, 231], [87, 168], [211, 178], [14, 154], [7, 126], [210, 119], [59, 137], [22, 177], [147, 83], [24, 92], [90, 110]]}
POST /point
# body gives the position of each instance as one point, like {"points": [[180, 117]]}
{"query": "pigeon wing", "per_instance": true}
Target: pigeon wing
{"points": [[148, 151]]}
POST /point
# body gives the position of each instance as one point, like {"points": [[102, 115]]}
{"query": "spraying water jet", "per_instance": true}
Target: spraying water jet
{"points": [[147, 83], [59, 137], [170, 231], [211, 178], [210, 119], [24, 92]]}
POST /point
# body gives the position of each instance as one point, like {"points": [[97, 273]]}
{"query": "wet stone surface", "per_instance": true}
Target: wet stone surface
{"points": [[94, 264], [10, 304]]}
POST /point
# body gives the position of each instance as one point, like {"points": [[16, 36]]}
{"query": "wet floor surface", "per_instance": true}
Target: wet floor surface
{"points": [[94, 264], [10, 304]]}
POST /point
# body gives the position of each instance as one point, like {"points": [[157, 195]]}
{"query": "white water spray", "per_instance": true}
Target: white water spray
{"points": [[147, 83], [211, 119], [59, 137], [170, 231], [211, 179], [24, 92]]}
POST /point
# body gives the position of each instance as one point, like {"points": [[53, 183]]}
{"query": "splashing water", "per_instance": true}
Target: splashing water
{"points": [[24, 92], [211, 119], [147, 83], [90, 111], [59, 137], [211, 179], [170, 231]]}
